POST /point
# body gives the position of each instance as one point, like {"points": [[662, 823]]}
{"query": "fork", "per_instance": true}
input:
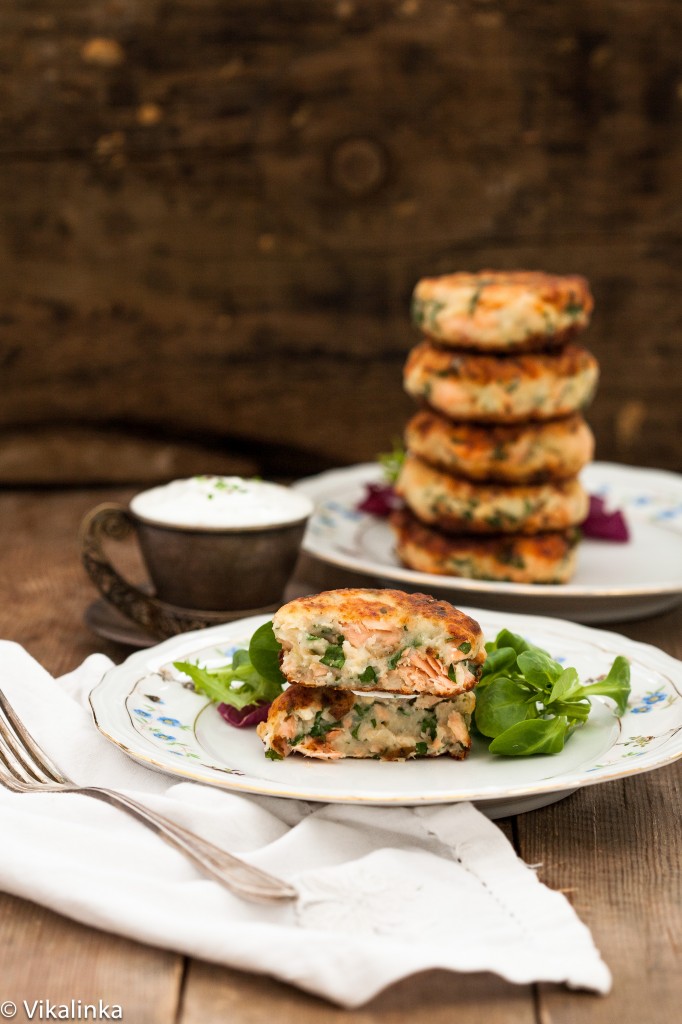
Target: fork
{"points": [[26, 768]]}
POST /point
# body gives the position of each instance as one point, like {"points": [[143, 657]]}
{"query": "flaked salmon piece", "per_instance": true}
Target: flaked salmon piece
{"points": [[413, 681], [424, 662], [318, 670], [288, 730], [423, 673], [458, 728], [359, 634]]}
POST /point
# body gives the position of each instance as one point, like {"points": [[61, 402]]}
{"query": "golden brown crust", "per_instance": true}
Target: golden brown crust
{"points": [[339, 702], [456, 505], [502, 310], [515, 558], [475, 368], [380, 606], [501, 389], [508, 453]]}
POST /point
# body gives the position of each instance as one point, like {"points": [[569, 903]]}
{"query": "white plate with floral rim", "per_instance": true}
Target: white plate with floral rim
{"points": [[613, 581], [146, 707]]}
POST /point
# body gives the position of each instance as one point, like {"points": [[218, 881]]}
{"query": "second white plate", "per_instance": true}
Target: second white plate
{"points": [[613, 582]]}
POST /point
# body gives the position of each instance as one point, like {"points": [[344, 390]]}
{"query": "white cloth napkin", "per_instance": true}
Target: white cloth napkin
{"points": [[385, 892]]}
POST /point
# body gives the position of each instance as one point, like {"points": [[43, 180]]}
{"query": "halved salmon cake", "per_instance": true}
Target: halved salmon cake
{"points": [[382, 640], [329, 723], [509, 558], [516, 453], [502, 311], [501, 389], [456, 505]]}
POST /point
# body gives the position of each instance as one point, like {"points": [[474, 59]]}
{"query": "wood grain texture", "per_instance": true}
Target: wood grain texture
{"points": [[212, 214], [614, 849], [213, 996], [45, 956], [43, 594], [44, 587], [71, 454]]}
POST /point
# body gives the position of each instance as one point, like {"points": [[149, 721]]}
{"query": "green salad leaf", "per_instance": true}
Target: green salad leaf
{"points": [[506, 703], [392, 462], [528, 703], [252, 677], [538, 736], [615, 685], [264, 652]]}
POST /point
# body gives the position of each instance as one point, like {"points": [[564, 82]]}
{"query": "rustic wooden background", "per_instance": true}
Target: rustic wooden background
{"points": [[212, 214]]}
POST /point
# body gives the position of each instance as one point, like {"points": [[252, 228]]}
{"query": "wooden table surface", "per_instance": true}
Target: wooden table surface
{"points": [[614, 849]]}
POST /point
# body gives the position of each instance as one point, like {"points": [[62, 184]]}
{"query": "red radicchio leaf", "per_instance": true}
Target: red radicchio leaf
{"points": [[603, 525], [241, 718], [380, 500]]}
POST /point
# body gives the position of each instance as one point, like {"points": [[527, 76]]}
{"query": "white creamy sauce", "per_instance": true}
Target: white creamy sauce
{"points": [[221, 501]]}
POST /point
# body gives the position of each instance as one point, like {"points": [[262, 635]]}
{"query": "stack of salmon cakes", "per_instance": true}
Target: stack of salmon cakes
{"points": [[490, 479]]}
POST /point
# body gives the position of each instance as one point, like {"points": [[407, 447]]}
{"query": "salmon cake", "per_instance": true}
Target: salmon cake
{"points": [[502, 311], [329, 723], [507, 453], [383, 640], [456, 505], [501, 389], [508, 558]]}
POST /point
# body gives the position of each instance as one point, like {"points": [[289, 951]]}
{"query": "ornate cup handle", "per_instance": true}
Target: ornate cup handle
{"points": [[114, 522]]}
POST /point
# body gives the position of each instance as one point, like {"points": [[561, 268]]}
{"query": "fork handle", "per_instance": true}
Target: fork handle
{"points": [[236, 875]]}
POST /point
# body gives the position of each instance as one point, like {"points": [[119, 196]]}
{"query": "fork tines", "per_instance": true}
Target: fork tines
{"points": [[23, 760]]}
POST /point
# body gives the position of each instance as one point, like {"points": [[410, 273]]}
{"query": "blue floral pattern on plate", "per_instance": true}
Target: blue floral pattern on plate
{"points": [[211, 752], [612, 581], [175, 730]]}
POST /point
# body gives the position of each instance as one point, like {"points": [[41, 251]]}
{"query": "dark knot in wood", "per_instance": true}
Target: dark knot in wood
{"points": [[358, 166]]}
